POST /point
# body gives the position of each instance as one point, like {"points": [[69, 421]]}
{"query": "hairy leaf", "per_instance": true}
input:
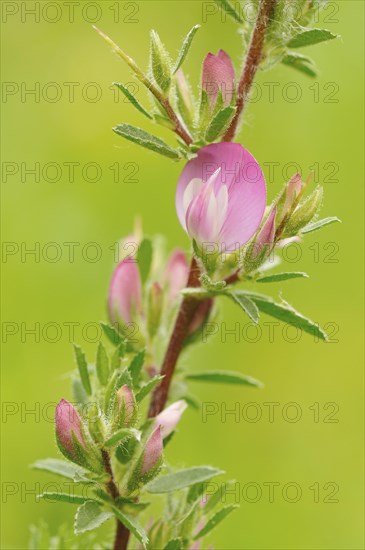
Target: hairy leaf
{"points": [[181, 479], [185, 48], [224, 377], [132, 99], [144, 139], [310, 37], [285, 276]]}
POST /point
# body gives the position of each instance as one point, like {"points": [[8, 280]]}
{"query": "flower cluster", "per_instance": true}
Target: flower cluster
{"points": [[158, 306]]}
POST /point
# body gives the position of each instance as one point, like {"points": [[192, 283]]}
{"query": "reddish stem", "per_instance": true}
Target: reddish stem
{"points": [[184, 318], [253, 59]]}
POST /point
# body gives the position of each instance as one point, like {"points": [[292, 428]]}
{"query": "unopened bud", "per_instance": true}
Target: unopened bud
{"points": [[69, 432], [126, 407], [150, 461], [260, 248], [288, 198], [304, 213]]}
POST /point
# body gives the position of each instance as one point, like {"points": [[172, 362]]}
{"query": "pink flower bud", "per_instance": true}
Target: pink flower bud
{"points": [[126, 407], [260, 249], [68, 422], [152, 454], [221, 196], [218, 74], [177, 272], [289, 196], [170, 417], [266, 235], [125, 292]]}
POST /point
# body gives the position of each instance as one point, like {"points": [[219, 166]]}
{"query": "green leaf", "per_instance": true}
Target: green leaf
{"points": [[224, 377], [136, 366], [160, 63], [102, 365], [59, 467], [311, 37], [174, 544], [124, 433], [148, 387], [132, 99], [319, 224], [131, 524], [215, 520], [219, 123], [217, 497], [248, 306], [286, 313], [185, 48], [144, 139], [63, 497], [117, 355], [144, 259], [89, 516], [230, 10], [83, 370], [285, 276], [182, 478], [301, 63], [112, 334]]}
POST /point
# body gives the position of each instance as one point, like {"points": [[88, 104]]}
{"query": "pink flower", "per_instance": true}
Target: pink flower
{"points": [[152, 454], [221, 196], [170, 417], [218, 74], [125, 292], [68, 422], [176, 277]]}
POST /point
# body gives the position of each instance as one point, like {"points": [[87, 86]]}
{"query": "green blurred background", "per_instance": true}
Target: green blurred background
{"points": [[323, 127]]}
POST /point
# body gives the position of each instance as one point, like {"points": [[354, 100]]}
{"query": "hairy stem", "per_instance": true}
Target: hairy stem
{"points": [[184, 318], [122, 534], [252, 63]]}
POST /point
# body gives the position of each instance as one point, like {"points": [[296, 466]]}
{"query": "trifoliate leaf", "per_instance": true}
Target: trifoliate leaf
{"points": [[286, 313]]}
